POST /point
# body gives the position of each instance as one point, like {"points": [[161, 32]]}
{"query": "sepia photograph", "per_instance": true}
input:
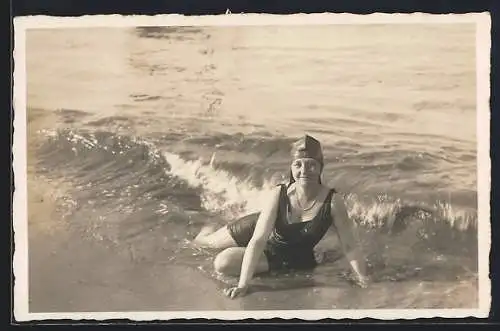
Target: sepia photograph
{"points": [[251, 166]]}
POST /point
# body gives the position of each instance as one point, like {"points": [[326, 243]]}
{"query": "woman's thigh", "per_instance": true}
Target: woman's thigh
{"points": [[219, 239], [229, 262]]}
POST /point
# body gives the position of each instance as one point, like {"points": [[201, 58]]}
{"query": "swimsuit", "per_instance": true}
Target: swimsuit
{"points": [[291, 245]]}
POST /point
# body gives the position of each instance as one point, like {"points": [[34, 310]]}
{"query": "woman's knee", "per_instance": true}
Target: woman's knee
{"points": [[228, 261]]}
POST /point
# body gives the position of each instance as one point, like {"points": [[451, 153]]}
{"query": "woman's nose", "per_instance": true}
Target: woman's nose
{"points": [[305, 169]]}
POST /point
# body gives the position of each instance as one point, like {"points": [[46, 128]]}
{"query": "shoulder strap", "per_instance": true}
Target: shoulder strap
{"points": [[328, 204], [283, 201], [331, 193]]}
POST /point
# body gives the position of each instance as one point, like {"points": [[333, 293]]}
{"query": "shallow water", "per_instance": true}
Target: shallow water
{"points": [[163, 129]]}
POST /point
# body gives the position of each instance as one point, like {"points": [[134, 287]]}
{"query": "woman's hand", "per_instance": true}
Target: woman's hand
{"points": [[362, 281], [319, 256], [235, 291], [356, 279]]}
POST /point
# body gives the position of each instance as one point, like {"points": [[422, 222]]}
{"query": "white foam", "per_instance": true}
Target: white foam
{"points": [[221, 191]]}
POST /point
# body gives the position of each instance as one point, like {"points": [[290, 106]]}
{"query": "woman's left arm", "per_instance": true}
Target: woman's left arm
{"points": [[350, 244]]}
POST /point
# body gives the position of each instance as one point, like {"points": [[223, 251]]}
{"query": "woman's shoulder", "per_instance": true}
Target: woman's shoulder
{"points": [[332, 189], [278, 189], [337, 201], [271, 198], [328, 190]]}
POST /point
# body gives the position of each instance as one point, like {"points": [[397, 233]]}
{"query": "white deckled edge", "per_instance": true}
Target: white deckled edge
{"points": [[306, 315], [46, 22], [20, 200], [21, 309], [483, 52]]}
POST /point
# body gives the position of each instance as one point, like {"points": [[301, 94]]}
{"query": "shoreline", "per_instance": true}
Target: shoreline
{"points": [[68, 272]]}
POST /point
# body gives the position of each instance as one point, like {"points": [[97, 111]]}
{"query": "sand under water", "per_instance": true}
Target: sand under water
{"points": [[131, 154]]}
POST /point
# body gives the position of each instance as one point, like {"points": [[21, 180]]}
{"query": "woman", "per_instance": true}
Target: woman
{"points": [[283, 235]]}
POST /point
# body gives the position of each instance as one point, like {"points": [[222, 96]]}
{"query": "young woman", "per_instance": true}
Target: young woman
{"points": [[283, 235]]}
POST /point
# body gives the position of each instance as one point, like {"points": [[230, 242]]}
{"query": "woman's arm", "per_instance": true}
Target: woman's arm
{"points": [[257, 243], [350, 244]]}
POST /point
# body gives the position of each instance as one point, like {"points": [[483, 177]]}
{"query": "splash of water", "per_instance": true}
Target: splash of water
{"points": [[230, 196], [222, 192]]}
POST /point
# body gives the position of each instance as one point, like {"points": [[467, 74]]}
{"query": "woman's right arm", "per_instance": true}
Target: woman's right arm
{"points": [[257, 243]]}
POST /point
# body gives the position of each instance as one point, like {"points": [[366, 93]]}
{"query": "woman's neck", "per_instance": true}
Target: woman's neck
{"points": [[307, 191]]}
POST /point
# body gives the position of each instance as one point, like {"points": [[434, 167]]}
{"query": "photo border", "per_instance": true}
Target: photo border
{"points": [[20, 261]]}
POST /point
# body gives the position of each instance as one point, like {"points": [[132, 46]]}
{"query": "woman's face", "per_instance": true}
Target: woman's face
{"points": [[306, 170]]}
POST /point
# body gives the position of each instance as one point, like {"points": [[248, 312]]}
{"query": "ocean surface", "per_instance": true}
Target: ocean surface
{"points": [[163, 129]]}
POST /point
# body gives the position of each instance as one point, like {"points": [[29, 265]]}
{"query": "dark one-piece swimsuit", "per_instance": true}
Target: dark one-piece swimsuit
{"points": [[291, 245]]}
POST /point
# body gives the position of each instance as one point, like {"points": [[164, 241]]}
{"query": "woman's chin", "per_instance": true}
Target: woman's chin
{"points": [[307, 181]]}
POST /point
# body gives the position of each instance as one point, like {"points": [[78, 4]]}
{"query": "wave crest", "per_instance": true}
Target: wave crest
{"points": [[127, 187]]}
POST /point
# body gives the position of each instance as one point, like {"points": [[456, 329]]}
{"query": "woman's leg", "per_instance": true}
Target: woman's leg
{"points": [[211, 238], [235, 234], [228, 262]]}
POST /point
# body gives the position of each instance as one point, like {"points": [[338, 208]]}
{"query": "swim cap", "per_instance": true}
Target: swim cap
{"points": [[307, 147]]}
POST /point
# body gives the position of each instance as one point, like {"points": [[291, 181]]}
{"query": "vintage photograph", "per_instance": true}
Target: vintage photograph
{"points": [[226, 167]]}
